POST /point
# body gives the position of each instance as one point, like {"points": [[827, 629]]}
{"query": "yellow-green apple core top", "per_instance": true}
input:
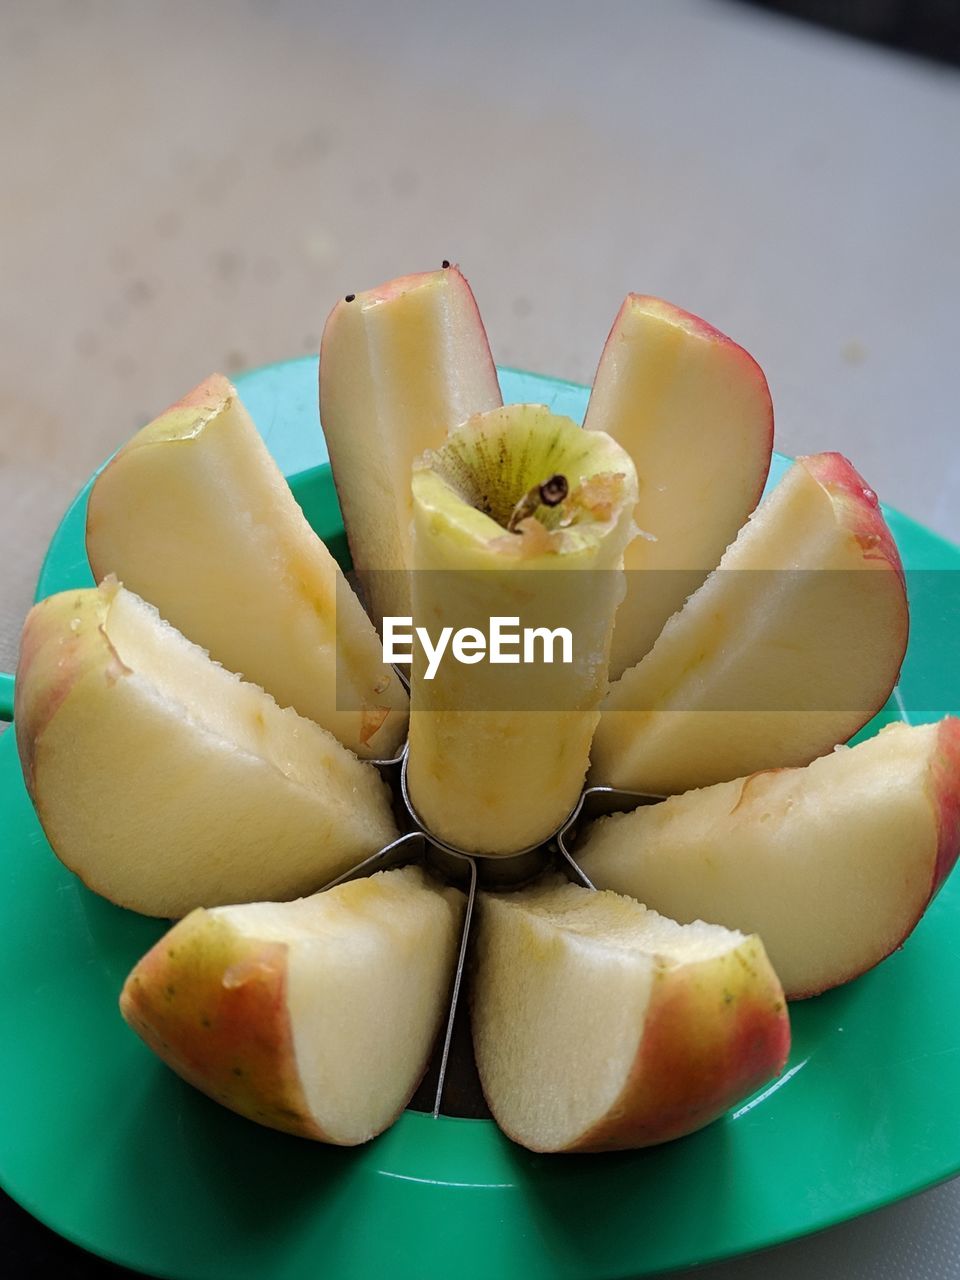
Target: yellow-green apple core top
{"points": [[499, 750]]}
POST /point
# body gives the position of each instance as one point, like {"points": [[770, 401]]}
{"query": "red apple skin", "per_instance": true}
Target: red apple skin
{"points": [[703, 1050], [860, 508], [212, 1005], [50, 664], [403, 284], [946, 787], [212, 393]]}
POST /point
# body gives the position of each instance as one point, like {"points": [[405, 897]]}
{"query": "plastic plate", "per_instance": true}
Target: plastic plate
{"points": [[104, 1144]]}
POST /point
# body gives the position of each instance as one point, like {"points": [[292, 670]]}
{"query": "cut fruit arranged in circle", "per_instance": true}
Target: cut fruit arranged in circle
{"points": [[693, 410], [400, 366], [787, 649], [499, 751], [599, 1025], [195, 516], [172, 786], [832, 865], [316, 1017], [164, 781]]}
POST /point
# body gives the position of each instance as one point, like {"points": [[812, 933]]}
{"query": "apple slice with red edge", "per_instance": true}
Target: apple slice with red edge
{"points": [[316, 1017], [400, 366], [194, 515], [693, 411], [788, 648], [832, 865], [164, 781], [599, 1025]]}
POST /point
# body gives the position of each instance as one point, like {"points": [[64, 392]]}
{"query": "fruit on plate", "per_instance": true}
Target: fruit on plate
{"points": [[195, 516], [788, 648], [832, 865], [316, 1017], [167, 783], [694, 412], [599, 1025], [519, 516], [400, 366]]}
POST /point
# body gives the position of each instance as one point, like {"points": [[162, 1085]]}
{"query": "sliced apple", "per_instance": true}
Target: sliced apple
{"points": [[787, 649], [163, 780], [400, 366], [195, 516], [316, 1017], [693, 411], [498, 751], [832, 865], [599, 1025]]}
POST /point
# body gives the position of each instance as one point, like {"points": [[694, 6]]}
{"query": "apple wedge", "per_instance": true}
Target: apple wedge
{"points": [[693, 411], [832, 865], [167, 783], [499, 748], [788, 648], [195, 516], [316, 1017], [599, 1025], [400, 366]]}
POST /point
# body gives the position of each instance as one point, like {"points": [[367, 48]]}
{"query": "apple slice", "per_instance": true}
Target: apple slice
{"points": [[599, 1025], [693, 411], [787, 649], [316, 1017], [499, 749], [195, 516], [832, 865], [399, 367], [163, 780]]}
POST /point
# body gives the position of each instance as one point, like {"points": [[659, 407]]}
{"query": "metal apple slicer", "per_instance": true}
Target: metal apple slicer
{"points": [[450, 1086]]}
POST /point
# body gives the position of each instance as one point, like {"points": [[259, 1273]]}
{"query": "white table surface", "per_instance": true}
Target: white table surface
{"points": [[189, 186]]}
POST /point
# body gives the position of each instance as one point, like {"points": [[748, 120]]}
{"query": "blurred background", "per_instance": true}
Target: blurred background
{"points": [[189, 186]]}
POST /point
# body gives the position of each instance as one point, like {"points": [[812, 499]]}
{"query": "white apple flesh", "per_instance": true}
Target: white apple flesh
{"points": [[316, 1017], [400, 366], [599, 1025], [788, 648], [693, 410], [832, 865], [167, 783], [195, 516]]}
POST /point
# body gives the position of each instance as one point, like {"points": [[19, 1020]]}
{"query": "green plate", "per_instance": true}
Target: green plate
{"points": [[104, 1144]]}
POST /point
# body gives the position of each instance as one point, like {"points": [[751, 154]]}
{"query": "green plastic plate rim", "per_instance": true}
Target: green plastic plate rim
{"points": [[108, 1147]]}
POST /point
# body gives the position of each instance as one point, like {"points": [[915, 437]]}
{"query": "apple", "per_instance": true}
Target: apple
{"points": [[167, 783], [788, 648], [832, 865], [316, 1017], [400, 366], [693, 410], [599, 1025], [498, 750], [195, 516]]}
